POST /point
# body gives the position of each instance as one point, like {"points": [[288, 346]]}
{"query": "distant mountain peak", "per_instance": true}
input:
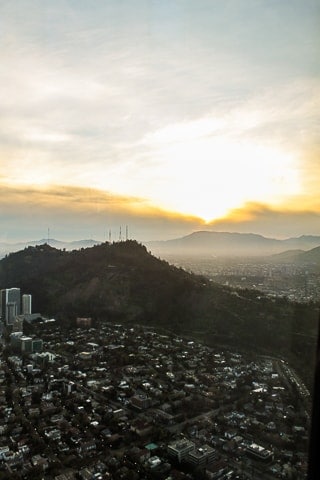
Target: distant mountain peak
{"points": [[205, 242]]}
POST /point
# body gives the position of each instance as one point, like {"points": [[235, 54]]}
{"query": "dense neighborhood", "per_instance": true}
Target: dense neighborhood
{"points": [[106, 401]]}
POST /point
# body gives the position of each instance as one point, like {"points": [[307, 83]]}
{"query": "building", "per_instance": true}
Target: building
{"points": [[26, 304], [32, 317], [15, 340], [10, 304], [17, 325], [258, 452], [180, 449], [37, 345], [202, 456], [141, 402], [26, 344], [84, 322]]}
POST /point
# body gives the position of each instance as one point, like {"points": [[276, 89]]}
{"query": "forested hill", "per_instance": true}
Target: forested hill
{"points": [[123, 282], [109, 280]]}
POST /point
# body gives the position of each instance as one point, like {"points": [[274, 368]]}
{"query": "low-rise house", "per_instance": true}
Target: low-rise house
{"points": [[3, 451], [87, 446], [141, 427], [54, 434], [38, 460]]}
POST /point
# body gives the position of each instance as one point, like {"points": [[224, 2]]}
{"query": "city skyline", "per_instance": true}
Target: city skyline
{"points": [[168, 116]]}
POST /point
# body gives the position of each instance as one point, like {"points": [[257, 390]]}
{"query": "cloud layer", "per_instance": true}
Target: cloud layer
{"points": [[77, 213]]}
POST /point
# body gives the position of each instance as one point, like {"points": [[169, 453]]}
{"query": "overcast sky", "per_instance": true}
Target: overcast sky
{"points": [[168, 116]]}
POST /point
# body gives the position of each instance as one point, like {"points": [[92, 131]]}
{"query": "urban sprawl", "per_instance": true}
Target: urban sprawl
{"points": [[104, 401]]}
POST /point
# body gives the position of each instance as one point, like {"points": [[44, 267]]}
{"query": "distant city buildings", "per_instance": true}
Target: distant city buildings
{"points": [[14, 310], [10, 305], [23, 344]]}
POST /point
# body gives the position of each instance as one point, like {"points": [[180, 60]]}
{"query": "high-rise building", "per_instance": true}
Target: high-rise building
{"points": [[26, 304], [10, 304]]}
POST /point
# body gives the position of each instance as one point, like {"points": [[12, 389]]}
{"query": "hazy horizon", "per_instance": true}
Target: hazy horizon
{"points": [[114, 236]]}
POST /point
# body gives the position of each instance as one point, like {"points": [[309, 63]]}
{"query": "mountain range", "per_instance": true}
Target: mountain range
{"points": [[200, 243], [231, 244], [123, 282]]}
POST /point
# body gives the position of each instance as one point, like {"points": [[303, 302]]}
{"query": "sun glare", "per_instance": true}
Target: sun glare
{"points": [[200, 172], [209, 177]]}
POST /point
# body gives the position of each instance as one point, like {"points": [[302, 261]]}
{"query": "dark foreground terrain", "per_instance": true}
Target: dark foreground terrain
{"points": [[124, 282]]}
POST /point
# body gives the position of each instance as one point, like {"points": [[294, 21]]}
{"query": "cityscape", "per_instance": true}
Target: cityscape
{"points": [[159, 240], [111, 401], [296, 282]]}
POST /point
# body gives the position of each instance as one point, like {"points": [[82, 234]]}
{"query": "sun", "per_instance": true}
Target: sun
{"points": [[208, 177]]}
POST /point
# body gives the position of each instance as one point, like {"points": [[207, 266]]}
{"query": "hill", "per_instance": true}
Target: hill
{"points": [[230, 244], [113, 280], [311, 256], [299, 256], [124, 282], [6, 248], [289, 256]]}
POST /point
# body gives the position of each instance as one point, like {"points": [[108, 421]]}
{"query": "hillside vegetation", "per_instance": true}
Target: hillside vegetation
{"points": [[124, 282]]}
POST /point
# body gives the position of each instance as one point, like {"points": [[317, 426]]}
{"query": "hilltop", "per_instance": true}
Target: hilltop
{"points": [[6, 248], [124, 282], [108, 280]]}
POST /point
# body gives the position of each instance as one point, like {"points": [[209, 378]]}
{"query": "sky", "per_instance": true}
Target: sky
{"points": [[166, 116]]}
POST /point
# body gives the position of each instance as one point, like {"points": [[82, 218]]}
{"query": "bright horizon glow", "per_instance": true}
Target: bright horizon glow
{"points": [[196, 168], [209, 175]]}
